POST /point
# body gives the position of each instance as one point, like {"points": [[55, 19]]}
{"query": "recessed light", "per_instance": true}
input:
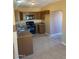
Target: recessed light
{"points": [[33, 3]]}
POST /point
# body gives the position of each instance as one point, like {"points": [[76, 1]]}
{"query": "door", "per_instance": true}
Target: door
{"points": [[56, 22]]}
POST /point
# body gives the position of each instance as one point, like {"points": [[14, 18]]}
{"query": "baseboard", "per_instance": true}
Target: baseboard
{"points": [[63, 43]]}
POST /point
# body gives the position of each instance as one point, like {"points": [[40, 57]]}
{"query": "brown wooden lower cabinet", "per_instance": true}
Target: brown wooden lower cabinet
{"points": [[25, 44], [41, 28]]}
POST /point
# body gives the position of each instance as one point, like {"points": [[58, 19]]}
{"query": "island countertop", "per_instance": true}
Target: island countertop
{"points": [[25, 43], [24, 34]]}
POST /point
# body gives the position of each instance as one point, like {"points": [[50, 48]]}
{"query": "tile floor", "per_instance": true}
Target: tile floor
{"points": [[47, 48]]}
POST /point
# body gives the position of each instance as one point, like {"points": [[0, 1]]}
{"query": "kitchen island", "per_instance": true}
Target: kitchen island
{"points": [[25, 43]]}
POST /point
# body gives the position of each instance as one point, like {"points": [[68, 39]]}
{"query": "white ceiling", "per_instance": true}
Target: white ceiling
{"points": [[38, 3]]}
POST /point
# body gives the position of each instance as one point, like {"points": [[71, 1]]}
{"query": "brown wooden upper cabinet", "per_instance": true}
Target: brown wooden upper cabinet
{"points": [[41, 14], [37, 15], [45, 12], [21, 16]]}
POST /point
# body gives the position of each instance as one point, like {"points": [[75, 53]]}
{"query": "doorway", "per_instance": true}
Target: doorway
{"points": [[56, 23]]}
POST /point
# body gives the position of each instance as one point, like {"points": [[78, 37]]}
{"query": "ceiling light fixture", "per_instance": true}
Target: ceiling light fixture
{"points": [[19, 1], [33, 3]]}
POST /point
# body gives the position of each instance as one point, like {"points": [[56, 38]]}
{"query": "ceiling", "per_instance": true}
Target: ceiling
{"points": [[32, 3]]}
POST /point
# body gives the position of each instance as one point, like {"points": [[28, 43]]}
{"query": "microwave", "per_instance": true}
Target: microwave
{"points": [[29, 17]]}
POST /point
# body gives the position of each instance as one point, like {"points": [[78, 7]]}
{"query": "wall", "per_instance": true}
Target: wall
{"points": [[57, 6], [47, 23], [17, 16], [13, 19], [15, 47]]}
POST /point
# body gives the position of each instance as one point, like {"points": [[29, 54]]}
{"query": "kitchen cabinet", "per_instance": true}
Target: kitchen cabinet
{"points": [[37, 15], [41, 28], [21, 16], [41, 14], [25, 43]]}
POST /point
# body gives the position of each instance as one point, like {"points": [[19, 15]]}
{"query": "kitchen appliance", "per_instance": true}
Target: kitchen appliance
{"points": [[31, 27], [29, 17]]}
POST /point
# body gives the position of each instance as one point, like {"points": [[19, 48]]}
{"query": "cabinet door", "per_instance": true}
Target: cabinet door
{"points": [[27, 46], [41, 28], [38, 15], [42, 15], [21, 16]]}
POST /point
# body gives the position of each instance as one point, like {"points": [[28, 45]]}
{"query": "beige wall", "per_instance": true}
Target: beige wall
{"points": [[13, 19], [15, 41], [47, 23], [15, 45], [57, 6]]}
